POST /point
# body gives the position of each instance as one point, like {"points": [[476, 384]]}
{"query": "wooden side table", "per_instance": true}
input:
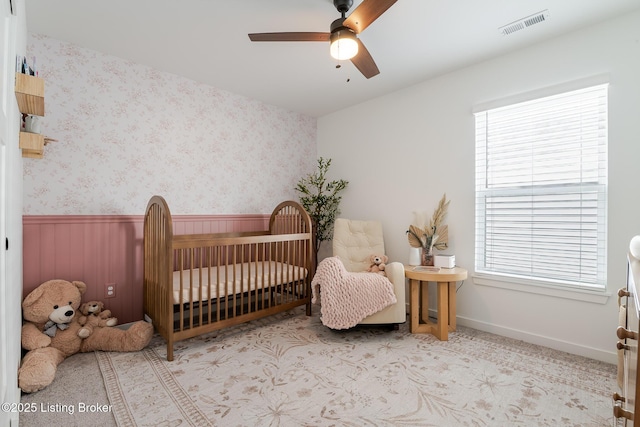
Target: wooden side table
{"points": [[446, 279]]}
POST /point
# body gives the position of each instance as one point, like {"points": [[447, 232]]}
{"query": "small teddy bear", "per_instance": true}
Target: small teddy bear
{"points": [[378, 264], [93, 314]]}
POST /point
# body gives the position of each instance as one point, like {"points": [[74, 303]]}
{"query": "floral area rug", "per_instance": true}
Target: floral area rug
{"points": [[290, 370]]}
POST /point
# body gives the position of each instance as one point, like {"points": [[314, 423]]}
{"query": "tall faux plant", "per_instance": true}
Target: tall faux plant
{"points": [[321, 199]]}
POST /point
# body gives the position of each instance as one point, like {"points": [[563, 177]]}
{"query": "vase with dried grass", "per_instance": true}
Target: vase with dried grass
{"points": [[433, 235]]}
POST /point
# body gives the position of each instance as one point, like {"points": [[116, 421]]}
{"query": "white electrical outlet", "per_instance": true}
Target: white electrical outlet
{"points": [[110, 290]]}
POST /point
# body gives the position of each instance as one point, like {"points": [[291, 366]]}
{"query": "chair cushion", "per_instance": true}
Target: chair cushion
{"points": [[355, 241]]}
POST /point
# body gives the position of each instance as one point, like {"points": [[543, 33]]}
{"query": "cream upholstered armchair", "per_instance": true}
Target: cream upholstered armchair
{"points": [[353, 243]]}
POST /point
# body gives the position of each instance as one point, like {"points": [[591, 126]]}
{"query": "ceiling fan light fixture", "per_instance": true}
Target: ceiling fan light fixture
{"points": [[344, 44]]}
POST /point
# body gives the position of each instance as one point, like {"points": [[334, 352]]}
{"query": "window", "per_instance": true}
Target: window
{"points": [[541, 190]]}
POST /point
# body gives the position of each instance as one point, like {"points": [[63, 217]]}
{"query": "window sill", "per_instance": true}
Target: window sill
{"points": [[534, 287]]}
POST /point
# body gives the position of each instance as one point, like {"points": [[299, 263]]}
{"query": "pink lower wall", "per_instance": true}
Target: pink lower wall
{"points": [[101, 249]]}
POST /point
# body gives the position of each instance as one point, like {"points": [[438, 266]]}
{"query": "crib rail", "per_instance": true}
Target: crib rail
{"points": [[158, 265]]}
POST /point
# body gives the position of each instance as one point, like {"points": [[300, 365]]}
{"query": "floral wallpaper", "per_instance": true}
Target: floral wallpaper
{"points": [[126, 132]]}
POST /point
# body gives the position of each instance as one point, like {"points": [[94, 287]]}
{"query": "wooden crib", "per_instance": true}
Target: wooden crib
{"points": [[198, 283]]}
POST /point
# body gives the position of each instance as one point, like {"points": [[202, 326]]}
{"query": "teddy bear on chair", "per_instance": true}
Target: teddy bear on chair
{"points": [[51, 333], [378, 264]]}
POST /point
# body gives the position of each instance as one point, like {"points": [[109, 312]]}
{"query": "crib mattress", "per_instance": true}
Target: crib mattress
{"points": [[232, 279]]}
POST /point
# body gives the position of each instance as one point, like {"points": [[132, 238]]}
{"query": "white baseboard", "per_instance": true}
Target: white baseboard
{"points": [[568, 347], [573, 348]]}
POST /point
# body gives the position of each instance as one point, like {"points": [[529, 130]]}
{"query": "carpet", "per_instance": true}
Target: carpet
{"points": [[290, 370]]}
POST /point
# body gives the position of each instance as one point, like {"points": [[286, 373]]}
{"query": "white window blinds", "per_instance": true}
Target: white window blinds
{"points": [[541, 189]]}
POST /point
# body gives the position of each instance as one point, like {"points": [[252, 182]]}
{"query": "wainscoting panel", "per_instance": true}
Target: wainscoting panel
{"points": [[105, 249]]}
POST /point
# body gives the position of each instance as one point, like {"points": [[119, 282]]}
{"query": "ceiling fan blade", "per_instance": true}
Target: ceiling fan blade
{"points": [[364, 62], [366, 13], [290, 37]]}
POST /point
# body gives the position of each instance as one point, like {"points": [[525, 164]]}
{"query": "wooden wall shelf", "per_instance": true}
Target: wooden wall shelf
{"points": [[32, 145], [30, 94]]}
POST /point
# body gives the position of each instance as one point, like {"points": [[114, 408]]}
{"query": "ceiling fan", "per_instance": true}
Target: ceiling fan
{"points": [[344, 42]]}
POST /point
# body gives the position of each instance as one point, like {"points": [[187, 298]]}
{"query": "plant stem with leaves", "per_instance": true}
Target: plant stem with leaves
{"points": [[321, 199]]}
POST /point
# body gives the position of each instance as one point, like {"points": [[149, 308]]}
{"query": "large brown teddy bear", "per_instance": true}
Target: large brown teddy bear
{"points": [[51, 333]]}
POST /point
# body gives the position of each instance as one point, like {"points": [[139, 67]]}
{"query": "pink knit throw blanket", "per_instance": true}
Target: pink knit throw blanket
{"points": [[347, 298]]}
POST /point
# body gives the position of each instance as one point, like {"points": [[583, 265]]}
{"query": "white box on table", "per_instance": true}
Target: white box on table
{"points": [[445, 261]]}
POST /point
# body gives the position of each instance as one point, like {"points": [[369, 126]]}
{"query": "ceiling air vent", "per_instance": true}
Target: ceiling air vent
{"points": [[523, 23]]}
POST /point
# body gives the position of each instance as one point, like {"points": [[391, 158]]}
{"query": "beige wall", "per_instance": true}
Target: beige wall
{"points": [[401, 152]]}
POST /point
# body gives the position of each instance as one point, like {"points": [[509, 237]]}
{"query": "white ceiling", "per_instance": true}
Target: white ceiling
{"points": [[206, 40]]}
